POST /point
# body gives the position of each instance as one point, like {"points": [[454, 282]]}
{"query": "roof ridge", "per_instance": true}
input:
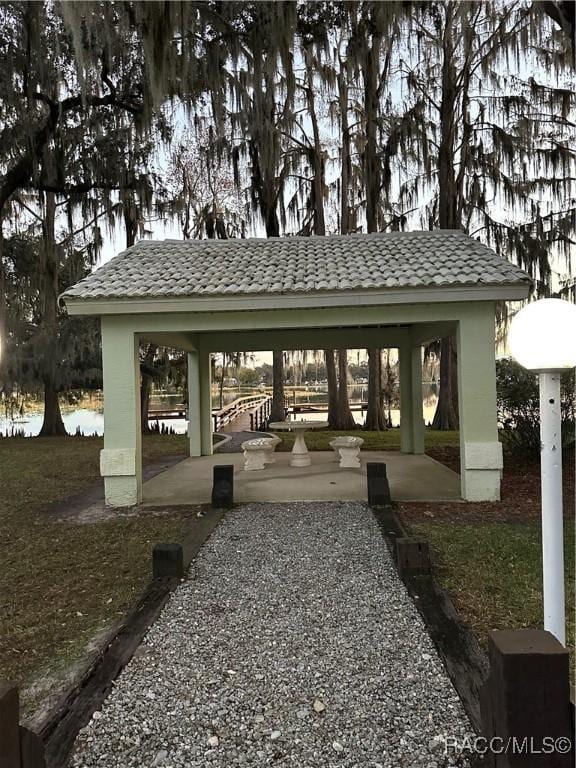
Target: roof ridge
{"points": [[312, 238]]}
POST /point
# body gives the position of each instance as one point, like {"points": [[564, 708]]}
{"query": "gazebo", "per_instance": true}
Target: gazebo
{"points": [[399, 289]]}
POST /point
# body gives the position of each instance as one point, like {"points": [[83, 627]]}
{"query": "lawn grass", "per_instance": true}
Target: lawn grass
{"points": [[62, 582], [493, 572], [319, 440]]}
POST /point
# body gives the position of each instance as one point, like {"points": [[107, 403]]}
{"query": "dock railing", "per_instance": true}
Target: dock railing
{"points": [[258, 405]]}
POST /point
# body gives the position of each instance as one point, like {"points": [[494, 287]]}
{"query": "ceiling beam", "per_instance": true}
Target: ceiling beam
{"points": [[310, 338]]}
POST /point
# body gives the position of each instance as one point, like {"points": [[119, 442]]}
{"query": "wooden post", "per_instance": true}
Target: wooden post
{"points": [[412, 556], [378, 488], [167, 561], [223, 486], [32, 752], [525, 702], [19, 746], [9, 726]]}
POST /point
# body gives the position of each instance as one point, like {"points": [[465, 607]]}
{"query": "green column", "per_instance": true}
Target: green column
{"points": [[194, 407], [406, 400], [417, 404], [121, 458], [205, 403], [480, 451]]}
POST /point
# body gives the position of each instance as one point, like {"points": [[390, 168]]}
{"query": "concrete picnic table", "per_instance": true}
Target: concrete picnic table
{"points": [[300, 457]]}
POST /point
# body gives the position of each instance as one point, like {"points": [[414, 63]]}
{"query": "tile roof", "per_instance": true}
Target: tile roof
{"points": [[298, 265]]}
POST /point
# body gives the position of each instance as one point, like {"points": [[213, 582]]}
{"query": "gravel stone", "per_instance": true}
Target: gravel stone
{"points": [[301, 602]]}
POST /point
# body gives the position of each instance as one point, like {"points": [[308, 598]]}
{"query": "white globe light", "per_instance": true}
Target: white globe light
{"points": [[542, 335]]}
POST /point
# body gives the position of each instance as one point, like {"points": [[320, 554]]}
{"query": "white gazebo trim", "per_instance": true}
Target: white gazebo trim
{"points": [[122, 306]]}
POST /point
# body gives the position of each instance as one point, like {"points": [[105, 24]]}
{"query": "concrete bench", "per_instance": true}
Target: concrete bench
{"points": [[347, 450], [259, 452], [274, 443]]}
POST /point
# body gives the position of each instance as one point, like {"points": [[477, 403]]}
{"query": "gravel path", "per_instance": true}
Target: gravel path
{"points": [[234, 445], [294, 644]]}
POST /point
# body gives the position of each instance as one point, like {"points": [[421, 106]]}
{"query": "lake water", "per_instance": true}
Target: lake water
{"points": [[88, 418], [87, 421]]}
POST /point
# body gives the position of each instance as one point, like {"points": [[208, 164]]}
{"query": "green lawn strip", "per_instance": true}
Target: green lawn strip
{"points": [[319, 440], [60, 583], [493, 572], [37, 471]]}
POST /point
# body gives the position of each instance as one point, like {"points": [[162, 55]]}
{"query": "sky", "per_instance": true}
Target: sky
{"points": [[114, 241]]}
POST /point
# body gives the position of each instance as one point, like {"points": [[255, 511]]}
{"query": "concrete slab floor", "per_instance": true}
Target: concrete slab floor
{"points": [[412, 478]]}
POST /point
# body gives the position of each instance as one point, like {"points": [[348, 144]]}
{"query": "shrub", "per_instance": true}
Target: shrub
{"points": [[518, 402]]}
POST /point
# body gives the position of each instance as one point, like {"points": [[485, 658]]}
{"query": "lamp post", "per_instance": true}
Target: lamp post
{"points": [[542, 338]]}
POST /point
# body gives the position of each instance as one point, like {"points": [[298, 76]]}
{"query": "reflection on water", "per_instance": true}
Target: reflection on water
{"points": [[358, 395], [88, 419]]}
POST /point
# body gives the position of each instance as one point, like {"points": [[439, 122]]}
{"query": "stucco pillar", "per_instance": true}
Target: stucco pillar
{"points": [[194, 407], [205, 403], [417, 400], [406, 402], [411, 408], [121, 458], [480, 451]]}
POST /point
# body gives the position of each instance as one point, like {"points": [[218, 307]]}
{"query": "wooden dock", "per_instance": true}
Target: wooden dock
{"points": [[245, 414]]}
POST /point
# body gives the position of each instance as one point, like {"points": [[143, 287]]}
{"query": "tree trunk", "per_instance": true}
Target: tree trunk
{"points": [[344, 416], [345, 162], [222, 377], [446, 415], [130, 218], [52, 424], [388, 392], [266, 187], [447, 193], [332, 388], [145, 391], [277, 412], [375, 420], [371, 164], [317, 197], [272, 225], [146, 379], [317, 201], [3, 300]]}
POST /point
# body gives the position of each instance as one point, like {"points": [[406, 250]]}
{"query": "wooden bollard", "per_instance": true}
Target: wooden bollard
{"points": [[525, 702], [19, 746], [412, 556], [223, 486], [31, 749], [9, 726], [168, 561], [378, 487]]}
